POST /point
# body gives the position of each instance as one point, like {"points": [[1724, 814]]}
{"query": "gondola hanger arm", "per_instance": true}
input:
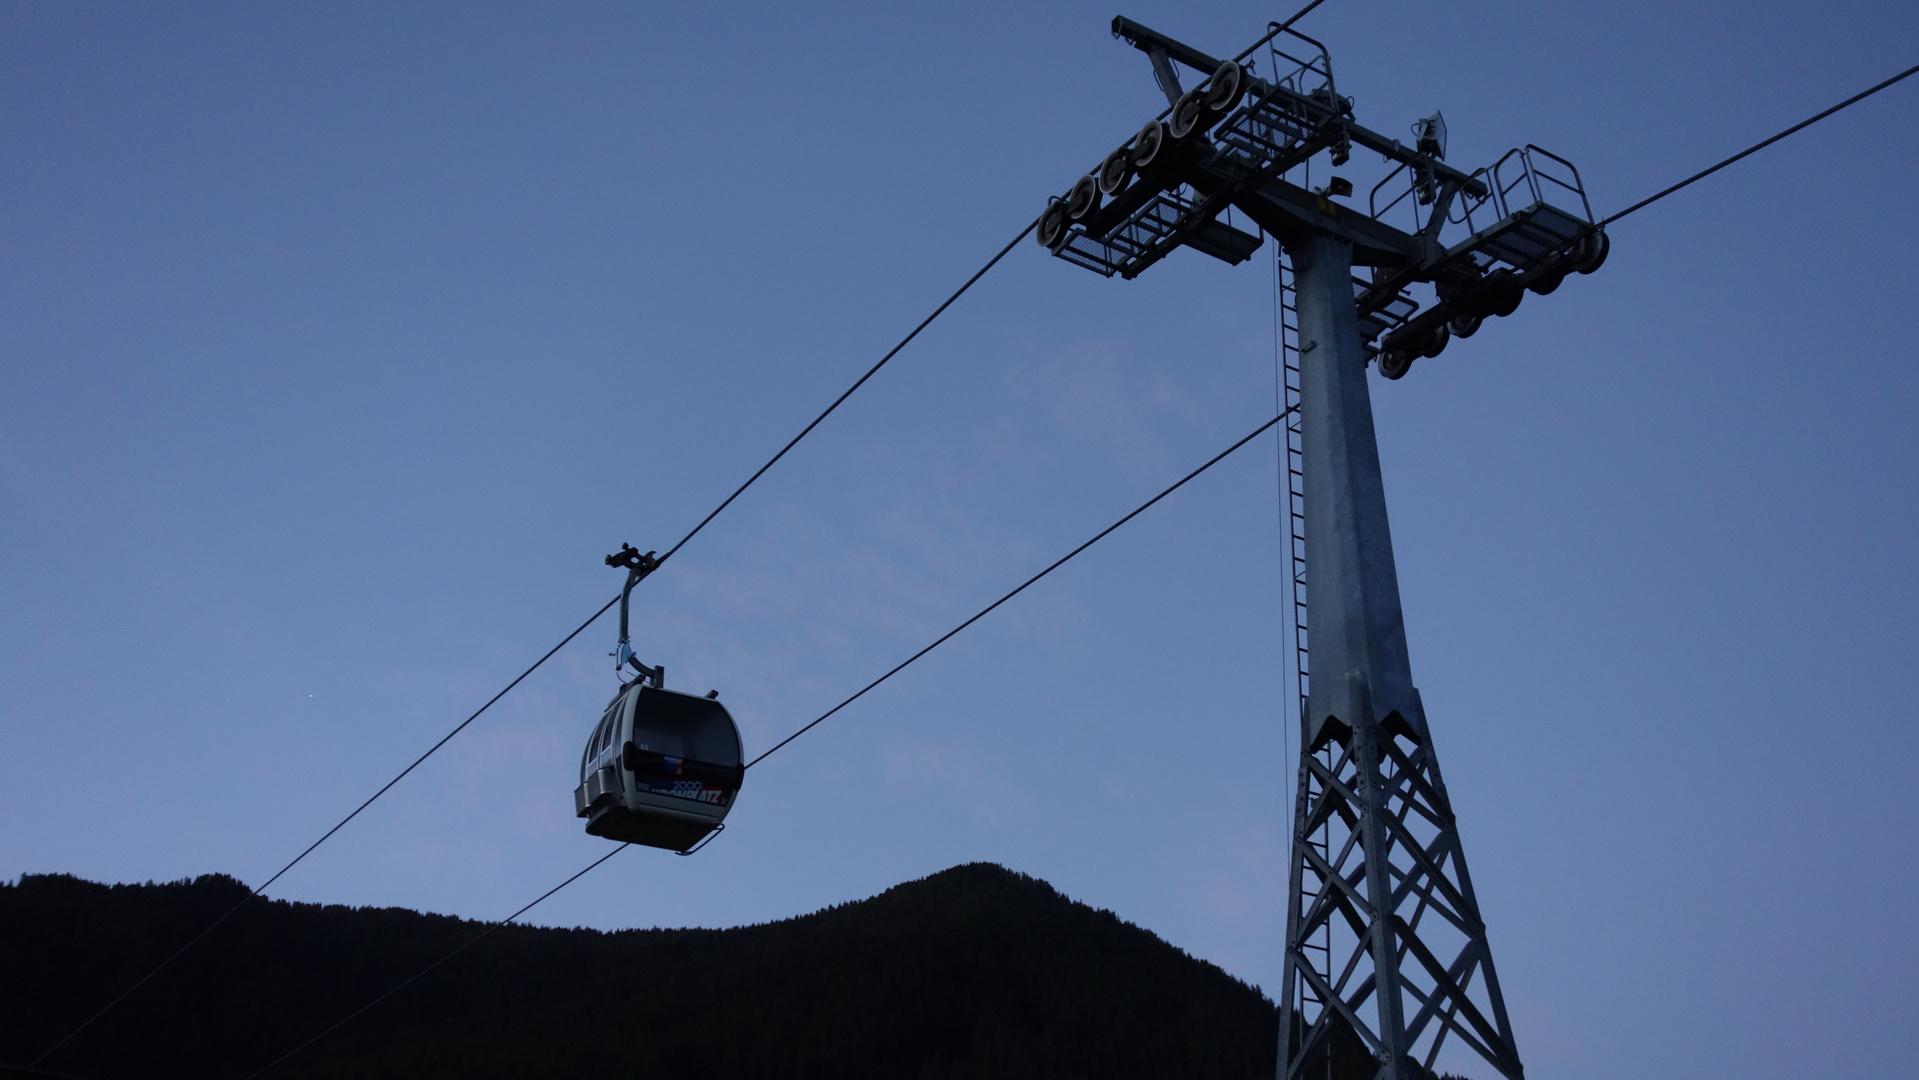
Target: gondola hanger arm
{"points": [[637, 564]]}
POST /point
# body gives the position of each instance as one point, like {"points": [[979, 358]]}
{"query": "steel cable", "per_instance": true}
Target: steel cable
{"points": [[1761, 145], [728, 501], [1273, 30], [983, 612], [257, 890], [857, 383], [1756, 147], [896, 669], [416, 976]]}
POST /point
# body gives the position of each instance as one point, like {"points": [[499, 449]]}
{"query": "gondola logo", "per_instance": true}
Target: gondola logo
{"points": [[690, 789]]}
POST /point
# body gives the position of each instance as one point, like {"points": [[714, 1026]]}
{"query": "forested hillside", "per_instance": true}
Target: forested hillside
{"points": [[975, 971]]}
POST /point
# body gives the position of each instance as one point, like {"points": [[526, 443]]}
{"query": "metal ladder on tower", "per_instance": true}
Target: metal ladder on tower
{"points": [[1295, 471], [1295, 516]]}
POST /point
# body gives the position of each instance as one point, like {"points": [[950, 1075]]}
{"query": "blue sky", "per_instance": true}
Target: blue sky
{"points": [[339, 343]]}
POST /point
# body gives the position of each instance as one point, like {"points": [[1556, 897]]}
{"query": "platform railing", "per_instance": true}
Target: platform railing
{"points": [[1522, 170]]}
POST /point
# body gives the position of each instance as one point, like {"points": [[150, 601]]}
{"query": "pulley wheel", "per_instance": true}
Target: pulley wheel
{"points": [[1116, 170], [1083, 199], [1395, 363], [1465, 326], [1545, 285], [1436, 342], [1505, 294], [1147, 143], [1592, 252], [1225, 88], [1052, 226], [1187, 112]]}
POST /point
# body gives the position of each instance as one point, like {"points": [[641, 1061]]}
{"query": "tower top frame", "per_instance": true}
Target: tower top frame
{"points": [[1236, 139]]}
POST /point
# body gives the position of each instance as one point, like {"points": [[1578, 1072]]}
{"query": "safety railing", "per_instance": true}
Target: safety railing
{"points": [[1308, 76], [1281, 115], [1408, 186], [1535, 174]]}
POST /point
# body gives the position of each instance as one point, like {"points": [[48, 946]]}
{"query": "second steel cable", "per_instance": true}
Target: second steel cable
{"points": [[728, 501]]}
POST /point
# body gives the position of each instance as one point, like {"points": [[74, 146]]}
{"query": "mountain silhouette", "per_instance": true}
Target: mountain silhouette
{"points": [[975, 971]]}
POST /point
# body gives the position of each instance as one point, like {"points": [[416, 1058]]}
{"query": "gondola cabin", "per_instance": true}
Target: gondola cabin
{"points": [[661, 769]]}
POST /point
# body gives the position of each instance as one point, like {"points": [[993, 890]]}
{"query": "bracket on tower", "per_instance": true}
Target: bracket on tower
{"points": [[1479, 239]]}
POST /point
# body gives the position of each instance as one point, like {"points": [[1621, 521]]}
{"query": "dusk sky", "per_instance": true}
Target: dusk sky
{"points": [[340, 342]]}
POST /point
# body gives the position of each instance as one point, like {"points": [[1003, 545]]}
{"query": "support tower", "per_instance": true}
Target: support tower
{"points": [[1387, 962]]}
